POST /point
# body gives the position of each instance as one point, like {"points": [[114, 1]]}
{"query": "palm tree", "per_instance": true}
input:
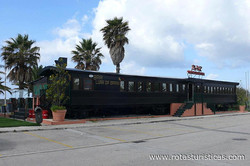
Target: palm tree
{"points": [[3, 87], [87, 56], [114, 36], [36, 71], [20, 57]]}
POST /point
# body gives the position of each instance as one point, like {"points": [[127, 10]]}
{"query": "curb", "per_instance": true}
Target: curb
{"points": [[114, 123]]}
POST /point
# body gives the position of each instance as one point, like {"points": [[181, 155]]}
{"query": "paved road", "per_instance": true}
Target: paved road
{"points": [[209, 141]]}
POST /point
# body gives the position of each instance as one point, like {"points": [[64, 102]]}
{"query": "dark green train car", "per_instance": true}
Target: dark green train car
{"points": [[100, 93]]}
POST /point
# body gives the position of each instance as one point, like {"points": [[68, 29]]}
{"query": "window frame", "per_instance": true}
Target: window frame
{"points": [[83, 84], [73, 83], [162, 87], [137, 88], [129, 90], [122, 90], [149, 85], [171, 87]]}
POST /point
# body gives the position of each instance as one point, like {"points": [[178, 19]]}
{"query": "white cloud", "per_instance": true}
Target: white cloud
{"points": [[85, 18], [67, 37], [132, 68], [212, 76], [70, 29], [219, 30], [162, 30]]}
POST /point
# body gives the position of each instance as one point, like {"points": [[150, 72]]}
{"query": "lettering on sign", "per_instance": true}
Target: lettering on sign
{"points": [[99, 82], [196, 70], [106, 82], [97, 77], [114, 83]]}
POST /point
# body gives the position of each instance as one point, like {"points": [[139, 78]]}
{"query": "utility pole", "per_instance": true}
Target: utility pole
{"points": [[247, 88]]}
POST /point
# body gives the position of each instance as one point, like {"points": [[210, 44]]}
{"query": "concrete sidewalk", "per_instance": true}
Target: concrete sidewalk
{"points": [[114, 122]]}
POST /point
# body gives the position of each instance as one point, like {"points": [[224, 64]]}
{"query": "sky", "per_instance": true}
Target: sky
{"points": [[166, 36]]}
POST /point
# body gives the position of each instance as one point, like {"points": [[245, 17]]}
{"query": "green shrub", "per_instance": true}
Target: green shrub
{"points": [[58, 83], [56, 107], [241, 96]]}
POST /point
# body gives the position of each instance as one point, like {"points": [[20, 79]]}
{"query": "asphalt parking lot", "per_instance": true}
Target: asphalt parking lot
{"points": [[222, 140]]}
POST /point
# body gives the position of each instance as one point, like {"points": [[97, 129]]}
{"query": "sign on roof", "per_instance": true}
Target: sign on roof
{"points": [[195, 70]]}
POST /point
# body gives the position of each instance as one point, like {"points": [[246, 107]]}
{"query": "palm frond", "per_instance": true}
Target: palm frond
{"points": [[84, 55]]}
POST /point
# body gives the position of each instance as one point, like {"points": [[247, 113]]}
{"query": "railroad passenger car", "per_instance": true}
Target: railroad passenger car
{"points": [[99, 93]]}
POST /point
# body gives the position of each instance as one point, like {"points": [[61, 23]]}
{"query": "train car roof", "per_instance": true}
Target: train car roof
{"points": [[48, 70]]}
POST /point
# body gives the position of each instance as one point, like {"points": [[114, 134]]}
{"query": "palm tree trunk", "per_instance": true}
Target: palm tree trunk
{"points": [[118, 68]]}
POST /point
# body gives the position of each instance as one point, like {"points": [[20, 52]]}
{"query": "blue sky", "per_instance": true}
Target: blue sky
{"points": [[166, 37]]}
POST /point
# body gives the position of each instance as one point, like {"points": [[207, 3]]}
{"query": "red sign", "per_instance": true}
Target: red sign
{"points": [[196, 70]]}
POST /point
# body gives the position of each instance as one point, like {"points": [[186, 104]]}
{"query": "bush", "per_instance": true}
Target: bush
{"points": [[57, 87], [56, 107], [241, 96]]}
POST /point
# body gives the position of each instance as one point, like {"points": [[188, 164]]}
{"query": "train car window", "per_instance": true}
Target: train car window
{"points": [[208, 89], [87, 84], [218, 90], [171, 87], [205, 89], [139, 86], [183, 87], [198, 88], [131, 86], [156, 87], [177, 87], [148, 87], [122, 86], [76, 84], [164, 87]]}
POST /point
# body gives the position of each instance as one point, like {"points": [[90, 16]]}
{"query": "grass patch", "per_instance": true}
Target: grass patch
{"points": [[6, 122]]}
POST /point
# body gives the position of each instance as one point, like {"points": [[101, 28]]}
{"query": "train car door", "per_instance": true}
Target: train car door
{"points": [[190, 95]]}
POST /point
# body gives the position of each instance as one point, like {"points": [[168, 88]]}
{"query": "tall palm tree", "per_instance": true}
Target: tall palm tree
{"points": [[87, 56], [20, 56], [114, 36]]}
